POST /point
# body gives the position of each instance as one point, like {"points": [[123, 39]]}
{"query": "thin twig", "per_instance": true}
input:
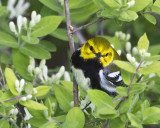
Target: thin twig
{"points": [[72, 48], [87, 25], [19, 112], [15, 98], [139, 78], [3, 78]]}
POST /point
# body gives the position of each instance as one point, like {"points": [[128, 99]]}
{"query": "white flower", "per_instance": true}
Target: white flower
{"points": [[67, 76], [134, 51], [17, 83], [128, 56], [33, 15], [38, 18], [28, 115], [12, 27], [30, 69], [17, 10], [37, 71], [147, 54], [29, 97], [128, 46], [72, 104], [131, 3], [19, 23], [24, 21], [35, 91], [61, 70], [128, 36], [32, 23], [119, 52], [23, 98], [42, 63], [22, 82], [32, 62]]}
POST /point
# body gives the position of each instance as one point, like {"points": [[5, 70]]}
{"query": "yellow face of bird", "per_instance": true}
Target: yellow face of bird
{"points": [[98, 48]]}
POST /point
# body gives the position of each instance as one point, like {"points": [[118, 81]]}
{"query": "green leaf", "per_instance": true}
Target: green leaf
{"points": [[128, 15], [143, 42], [153, 58], [35, 51], [125, 105], [42, 90], [5, 58], [8, 40], [137, 88], [4, 124], [46, 25], [76, 114], [150, 18], [140, 5], [22, 69], [122, 91], [112, 3], [39, 114], [48, 104], [6, 96], [99, 98], [30, 40], [55, 6], [151, 115], [134, 121], [49, 125], [2, 10], [108, 13], [48, 46], [37, 122], [117, 122], [115, 41], [33, 105], [60, 118], [154, 49], [152, 68], [63, 96], [126, 76], [28, 88], [70, 124], [125, 65], [11, 78], [62, 35], [156, 7]]}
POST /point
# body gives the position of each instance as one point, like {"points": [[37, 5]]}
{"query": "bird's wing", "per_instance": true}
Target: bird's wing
{"points": [[113, 75]]}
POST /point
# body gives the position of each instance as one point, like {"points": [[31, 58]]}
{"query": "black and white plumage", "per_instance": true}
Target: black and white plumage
{"points": [[91, 74]]}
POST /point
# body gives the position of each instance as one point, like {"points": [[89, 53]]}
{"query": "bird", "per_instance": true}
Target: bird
{"points": [[93, 66]]}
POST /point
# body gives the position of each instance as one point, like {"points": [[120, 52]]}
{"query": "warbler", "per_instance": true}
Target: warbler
{"points": [[93, 66]]}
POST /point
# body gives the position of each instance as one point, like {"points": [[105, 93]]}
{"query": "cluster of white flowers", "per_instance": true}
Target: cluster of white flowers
{"points": [[18, 9], [41, 72], [22, 21], [19, 85], [27, 116], [122, 36], [13, 112], [130, 55]]}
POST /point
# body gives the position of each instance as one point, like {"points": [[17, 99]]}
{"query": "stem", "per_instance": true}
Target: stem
{"points": [[87, 25], [72, 48], [3, 79], [19, 112], [54, 121], [16, 98]]}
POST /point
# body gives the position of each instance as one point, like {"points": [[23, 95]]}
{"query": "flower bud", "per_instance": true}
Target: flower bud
{"points": [[24, 20], [37, 71], [30, 69], [32, 62], [128, 36], [133, 60], [17, 83], [35, 91], [61, 70], [58, 76], [117, 34], [134, 51], [12, 27], [38, 18], [15, 111], [128, 46], [23, 98], [67, 76], [33, 15], [29, 97], [22, 82], [128, 56], [147, 54], [32, 23], [19, 23], [72, 104], [112, 45], [119, 52], [131, 3], [42, 63]]}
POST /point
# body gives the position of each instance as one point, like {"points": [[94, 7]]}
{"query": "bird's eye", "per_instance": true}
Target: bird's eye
{"points": [[107, 54], [91, 48]]}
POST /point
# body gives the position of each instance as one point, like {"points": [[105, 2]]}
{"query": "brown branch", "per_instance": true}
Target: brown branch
{"points": [[3, 78], [72, 48], [87, 25], [19, 112]]}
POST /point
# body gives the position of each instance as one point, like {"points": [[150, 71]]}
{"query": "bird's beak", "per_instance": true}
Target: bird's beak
{"points": [[98, 55]]}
